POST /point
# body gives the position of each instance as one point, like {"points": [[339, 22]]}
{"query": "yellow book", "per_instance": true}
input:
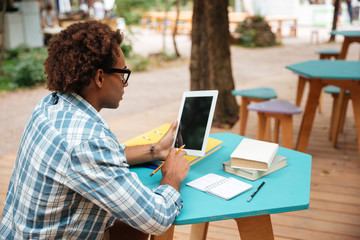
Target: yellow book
{"points": [[154, 135]]}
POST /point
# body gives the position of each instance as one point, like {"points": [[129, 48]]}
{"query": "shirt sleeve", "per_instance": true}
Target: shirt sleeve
{"points": [[99, 172]]}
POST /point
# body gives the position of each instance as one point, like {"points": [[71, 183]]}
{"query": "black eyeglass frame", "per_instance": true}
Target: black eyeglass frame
{"points": [[123, 71]]}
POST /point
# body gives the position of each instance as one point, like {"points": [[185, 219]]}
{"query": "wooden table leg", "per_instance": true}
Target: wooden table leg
{"points": [[300, 90], [262, 126], [332, 122], [243, 115], [276, 130], [287, 131], [254, 228], [168, 235], [309, 115], [337, 115], [267, 136], [344, 48], [355, 97], [199, 231], [279, 29], [343, 112]]}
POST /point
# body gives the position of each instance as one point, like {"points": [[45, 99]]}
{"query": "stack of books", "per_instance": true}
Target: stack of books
{"points": [[253, 159]]}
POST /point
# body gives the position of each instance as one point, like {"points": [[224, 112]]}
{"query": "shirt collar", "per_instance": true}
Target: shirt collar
{"points": [[81, 103]]}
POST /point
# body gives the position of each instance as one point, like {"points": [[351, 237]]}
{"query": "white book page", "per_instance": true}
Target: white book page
{"points": [[205, 181]]}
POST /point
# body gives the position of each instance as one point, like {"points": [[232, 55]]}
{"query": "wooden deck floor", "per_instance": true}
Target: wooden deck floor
{"points": [[334, 211]]}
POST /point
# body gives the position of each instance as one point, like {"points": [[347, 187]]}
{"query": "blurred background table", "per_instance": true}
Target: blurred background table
{"points": [[320, 73]]}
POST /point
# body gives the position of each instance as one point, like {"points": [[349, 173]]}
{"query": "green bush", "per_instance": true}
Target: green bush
{"points": [[138, 63], [14, 53], [255, 32], [127, 49], [23, 67], [28, 72]]}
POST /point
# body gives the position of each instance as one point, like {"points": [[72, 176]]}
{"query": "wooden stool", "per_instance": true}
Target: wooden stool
{"points": [[248, 96], [282, 111], [337, 126], [293, 31], [328, 53], [314, 36]]}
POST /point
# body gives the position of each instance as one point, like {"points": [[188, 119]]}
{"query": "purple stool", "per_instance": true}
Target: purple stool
{"points": [[282, 111]]}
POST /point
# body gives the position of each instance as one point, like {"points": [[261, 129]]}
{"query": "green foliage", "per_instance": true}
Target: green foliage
{"points": [[15, 53], [23, 67], [247, 38], [29, 71], [5, 83], [255, 32], [127, 49], [138, 63], [258, 19], [163, 56], [131, 10]]}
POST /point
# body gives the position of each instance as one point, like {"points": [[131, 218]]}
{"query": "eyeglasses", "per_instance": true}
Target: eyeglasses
{"points": [[124, 72]]}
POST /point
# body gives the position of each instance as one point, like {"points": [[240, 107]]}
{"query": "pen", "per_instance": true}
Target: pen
{"points": [[177, 151], [252, 195]]}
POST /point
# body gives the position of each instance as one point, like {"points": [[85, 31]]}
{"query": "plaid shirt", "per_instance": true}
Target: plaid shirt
{"points": [[71, 179]]}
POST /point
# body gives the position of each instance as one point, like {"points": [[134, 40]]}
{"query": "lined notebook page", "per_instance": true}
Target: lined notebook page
{"points": [[228, 188], [220, 186], [205, 181]]}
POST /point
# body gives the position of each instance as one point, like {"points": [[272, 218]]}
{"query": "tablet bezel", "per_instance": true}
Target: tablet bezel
{"points": [[207, 93]]}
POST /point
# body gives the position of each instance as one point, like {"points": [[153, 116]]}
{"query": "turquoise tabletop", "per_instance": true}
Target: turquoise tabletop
{"points": [[287, 189], [347, 33], [339, 69]]}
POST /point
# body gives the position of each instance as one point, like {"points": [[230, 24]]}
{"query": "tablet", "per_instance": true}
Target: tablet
{"points": [[194, 121]]}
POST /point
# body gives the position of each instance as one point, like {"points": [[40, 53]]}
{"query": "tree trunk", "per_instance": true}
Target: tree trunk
{"points": [[2, 33], [164, 24], [335, 19], [210, 64], [175, 27], [199, 68]]}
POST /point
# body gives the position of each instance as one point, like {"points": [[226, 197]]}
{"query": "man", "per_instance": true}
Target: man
{"points": [[71, 178], [49, 22]]}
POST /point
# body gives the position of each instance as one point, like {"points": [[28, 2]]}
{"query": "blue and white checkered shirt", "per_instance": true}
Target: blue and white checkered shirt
{"points": [[71, 179]]}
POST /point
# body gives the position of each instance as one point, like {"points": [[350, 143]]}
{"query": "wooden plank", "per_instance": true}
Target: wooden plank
{"points": [[335, 197], [324, 215], [327, 187], [323, 178], [317, 225], [293, 232], [334, 206]]}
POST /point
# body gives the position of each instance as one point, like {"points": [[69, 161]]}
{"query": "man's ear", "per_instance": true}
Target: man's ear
{"points": [[99, 77]]}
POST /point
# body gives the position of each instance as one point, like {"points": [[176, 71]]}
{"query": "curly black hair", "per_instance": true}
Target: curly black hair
{"points": [[78, 52]]}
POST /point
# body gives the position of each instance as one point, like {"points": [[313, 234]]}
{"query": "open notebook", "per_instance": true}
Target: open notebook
{"points": [[220, 186]]}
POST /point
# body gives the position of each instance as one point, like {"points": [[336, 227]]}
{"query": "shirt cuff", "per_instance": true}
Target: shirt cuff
{"points": [[169, 192]]}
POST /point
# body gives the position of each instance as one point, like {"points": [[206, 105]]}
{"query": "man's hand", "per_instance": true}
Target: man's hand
{"points": [[175, 169], [162, 148]]}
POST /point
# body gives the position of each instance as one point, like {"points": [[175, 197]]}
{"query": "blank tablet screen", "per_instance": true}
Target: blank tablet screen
{"points": [[194, 118]]}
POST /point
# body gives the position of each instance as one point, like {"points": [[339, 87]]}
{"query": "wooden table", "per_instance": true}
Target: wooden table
{"points": [[349, 37], [320, 73], [280, 19], [157, 19], [286, 190]]}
